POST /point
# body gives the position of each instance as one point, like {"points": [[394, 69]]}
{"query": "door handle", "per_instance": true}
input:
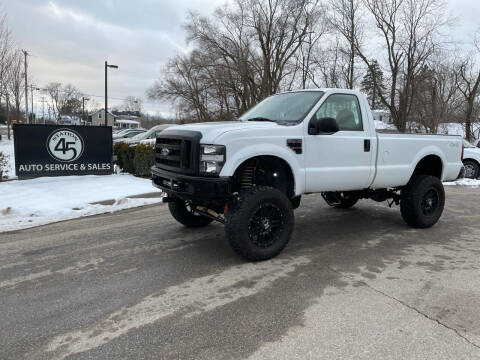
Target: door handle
{"points": [[366, 145]]}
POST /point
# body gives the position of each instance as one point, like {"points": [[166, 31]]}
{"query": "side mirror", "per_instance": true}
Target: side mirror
{"points": [[325, 126]]}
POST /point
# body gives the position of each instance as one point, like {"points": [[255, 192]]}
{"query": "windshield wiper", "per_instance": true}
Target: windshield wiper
{"points": [[261, 119]]}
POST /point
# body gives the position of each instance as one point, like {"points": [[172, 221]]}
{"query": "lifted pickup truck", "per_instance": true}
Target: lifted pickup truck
{"points": [[250, 174]]}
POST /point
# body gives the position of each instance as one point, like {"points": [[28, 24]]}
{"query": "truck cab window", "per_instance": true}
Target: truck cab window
{"points": [[345, 109]]}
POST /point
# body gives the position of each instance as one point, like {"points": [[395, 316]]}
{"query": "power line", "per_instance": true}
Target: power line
{"points": [[85, 94]]}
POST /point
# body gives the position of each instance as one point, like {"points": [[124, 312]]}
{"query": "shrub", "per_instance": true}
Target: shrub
{"points": [[125, 154], [3, 165], [136, 160], [144, 159]]}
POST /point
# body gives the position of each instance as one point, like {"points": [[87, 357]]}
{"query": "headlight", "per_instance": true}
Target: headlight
{"points": [[212, 158]]}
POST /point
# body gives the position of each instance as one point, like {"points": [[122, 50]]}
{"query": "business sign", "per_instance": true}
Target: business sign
{"points": [[59, 150]]}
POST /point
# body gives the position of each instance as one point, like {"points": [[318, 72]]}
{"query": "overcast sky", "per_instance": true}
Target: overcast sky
{"points": [[69, 40]]}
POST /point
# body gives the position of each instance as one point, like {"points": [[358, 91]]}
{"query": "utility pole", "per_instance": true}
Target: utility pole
{"points": [[106, 93], [83, 109], [48, 113], [31, 95], [8, 116], [43, 109], [25, 53]]}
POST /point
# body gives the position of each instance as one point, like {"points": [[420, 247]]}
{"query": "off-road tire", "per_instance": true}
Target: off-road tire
{"points": [[422, 201], [179, 211], [264, 205], [473, 167]]}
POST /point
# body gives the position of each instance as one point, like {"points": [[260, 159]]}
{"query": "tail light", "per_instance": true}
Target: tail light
{"points": [[463, 151]]}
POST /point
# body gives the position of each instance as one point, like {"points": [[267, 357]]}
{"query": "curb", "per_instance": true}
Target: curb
{"points": [[150, 195]]}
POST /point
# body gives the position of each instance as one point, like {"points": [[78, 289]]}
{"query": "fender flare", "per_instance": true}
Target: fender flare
{"points": [[273, 150], [428, 151]]}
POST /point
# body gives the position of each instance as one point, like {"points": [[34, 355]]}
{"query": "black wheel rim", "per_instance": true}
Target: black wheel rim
{"points": [[266, 225], [430, 201]]}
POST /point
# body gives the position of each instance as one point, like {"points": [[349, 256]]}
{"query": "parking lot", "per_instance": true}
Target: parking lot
{"points": [[352, 283]]}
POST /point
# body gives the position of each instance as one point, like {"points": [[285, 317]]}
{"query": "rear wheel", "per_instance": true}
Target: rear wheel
{"points": [[422, 201], [472, 169], [181, 212], [260, 223]]}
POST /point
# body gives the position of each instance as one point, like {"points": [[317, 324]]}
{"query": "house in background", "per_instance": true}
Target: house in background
{"points": [[127, 124], [98, 118], [382, 115]]}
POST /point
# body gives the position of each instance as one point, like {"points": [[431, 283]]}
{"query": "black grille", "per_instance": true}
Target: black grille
{"points": [[178, 151], [169, 152]]}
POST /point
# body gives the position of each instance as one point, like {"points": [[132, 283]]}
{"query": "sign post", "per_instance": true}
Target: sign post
{"points": [[54, 150]]}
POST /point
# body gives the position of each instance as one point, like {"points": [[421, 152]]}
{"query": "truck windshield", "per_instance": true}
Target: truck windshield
{"points": [[283, 108]]}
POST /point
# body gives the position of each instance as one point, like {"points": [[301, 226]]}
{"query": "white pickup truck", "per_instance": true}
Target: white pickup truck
{"points": [[250, 174]]}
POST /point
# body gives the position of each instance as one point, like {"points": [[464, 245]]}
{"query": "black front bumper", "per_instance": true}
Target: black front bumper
{"points": [[191, 187]]}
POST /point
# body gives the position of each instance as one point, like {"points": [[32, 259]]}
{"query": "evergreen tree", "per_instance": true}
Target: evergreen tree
{"points": [[373, 74]]}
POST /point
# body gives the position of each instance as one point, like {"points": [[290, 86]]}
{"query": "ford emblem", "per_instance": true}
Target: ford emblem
{"points": [[164, 152]]}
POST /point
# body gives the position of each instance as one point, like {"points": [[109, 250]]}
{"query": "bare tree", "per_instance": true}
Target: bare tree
{"points": [[53, 89], [346, 18], [6, 53], [436, 99], [132, 104], [409, 30], [69, 100], [15, 82], [306, 65], [468, 83], [64, 100], [280, 28], [249, 50]]}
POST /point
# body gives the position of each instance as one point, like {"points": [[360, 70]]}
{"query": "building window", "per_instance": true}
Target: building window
{"points": [[99, 115]]}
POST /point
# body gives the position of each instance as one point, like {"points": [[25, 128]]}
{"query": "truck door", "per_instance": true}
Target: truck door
{"points": [[340, 161]]}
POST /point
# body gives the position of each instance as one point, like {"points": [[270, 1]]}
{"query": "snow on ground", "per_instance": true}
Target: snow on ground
{"points": [[6, 148], [28, 203], [380, 125], [458, 129], [464, 182]]}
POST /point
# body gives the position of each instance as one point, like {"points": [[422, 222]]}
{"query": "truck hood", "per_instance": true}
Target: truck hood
{"points": [[212, 130]]}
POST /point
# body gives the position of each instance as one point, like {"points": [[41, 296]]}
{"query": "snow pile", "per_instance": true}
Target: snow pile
{"points": [[458, 129], [380, 125], [6, 148], [464, 182], [27, 203]]}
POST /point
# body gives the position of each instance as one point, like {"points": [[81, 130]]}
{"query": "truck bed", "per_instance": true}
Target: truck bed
{"points": [[398, 153]]}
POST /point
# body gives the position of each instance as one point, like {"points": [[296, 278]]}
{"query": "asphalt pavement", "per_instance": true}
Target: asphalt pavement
{"points": [[352, 284]]}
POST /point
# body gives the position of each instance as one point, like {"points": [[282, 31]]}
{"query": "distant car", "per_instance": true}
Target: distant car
{"points": [[148, 135], [127, 134], [118, 132], [471, 160]]}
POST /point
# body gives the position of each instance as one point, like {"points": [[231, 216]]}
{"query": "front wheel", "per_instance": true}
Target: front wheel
{"points": [[180, 211], [422, 201], [260, 223]]}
